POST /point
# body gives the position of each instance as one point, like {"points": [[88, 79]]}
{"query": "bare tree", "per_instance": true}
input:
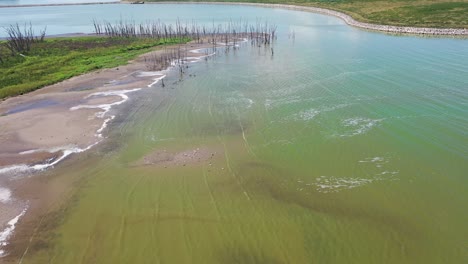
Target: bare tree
{"points": [[20, 40]]}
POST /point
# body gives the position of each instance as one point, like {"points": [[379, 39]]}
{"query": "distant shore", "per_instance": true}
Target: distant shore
{"points": [[346, 18], [64, 4]]}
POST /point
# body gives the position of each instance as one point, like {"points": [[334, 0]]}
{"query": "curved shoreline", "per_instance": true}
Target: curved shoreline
{"points": [[346, 18]]}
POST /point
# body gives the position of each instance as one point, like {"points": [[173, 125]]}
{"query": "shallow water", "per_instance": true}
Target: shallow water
{"points": [[345, 146]]}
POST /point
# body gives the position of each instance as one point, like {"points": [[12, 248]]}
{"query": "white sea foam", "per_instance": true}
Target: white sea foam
{"points": [[310, 114], [5, 195], [149, 73], [328, 184], [239, 100], [103, 126], [359, 125], [198, 58], [156, 80], [374, 171], [8, 231], [392, 173], [106, 107], [372, 160], [271, 104], [66, 151], [378, 162], [191, 59], [307, 114]]}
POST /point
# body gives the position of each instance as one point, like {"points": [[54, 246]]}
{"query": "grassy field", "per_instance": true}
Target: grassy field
{"points": [[418, 13], [55, 60]]}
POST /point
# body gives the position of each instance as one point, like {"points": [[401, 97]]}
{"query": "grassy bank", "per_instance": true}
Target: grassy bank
{"points": [[417, 13], [55, 60]]}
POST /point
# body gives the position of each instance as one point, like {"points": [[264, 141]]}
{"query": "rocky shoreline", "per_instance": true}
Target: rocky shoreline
{"points": [[386, 28]]}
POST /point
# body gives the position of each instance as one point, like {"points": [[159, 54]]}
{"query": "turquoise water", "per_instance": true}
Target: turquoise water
{"points": [[344, 146]]}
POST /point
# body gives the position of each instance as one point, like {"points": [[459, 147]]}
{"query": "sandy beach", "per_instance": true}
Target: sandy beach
{"points": [[42, 128]]}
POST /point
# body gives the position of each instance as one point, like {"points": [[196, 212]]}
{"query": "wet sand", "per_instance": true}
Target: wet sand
{"points": [[40, 129], [164, 158]]}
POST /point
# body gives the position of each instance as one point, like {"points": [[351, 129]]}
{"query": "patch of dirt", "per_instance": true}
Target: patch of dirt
{"points": [[164, 158]]}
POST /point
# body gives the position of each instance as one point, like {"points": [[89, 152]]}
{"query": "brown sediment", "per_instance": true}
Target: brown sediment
{"points": [[46, 197], [49, 125], [164, 158], [29, 158], [37, 127]]}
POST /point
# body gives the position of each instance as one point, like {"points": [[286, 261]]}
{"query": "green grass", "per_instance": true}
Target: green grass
{"points": [[417, 13], [59, 59]]}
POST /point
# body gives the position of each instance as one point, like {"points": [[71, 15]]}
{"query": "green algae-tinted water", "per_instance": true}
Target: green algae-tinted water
{"points": [[345, 146]]}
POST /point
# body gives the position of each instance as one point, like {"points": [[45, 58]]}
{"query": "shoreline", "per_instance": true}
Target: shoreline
{"points": [[346, 18], [349, 20], [63, 4], [43, 128]]}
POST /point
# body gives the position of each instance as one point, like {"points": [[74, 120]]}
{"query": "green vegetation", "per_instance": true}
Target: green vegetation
{"points": [[55, 60], [418, 13]]}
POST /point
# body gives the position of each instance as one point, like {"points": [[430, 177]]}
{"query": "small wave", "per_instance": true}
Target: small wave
{"points": [[391, 173], [8, 231], [152, 74], [156, 80], [103, 126], [5, 195], [149, 73], [372, 160], [192, 59], [377, 172], [307, 114], [310, 114], [359, 125], [271, 104], [328, 184], [198, 58], [106, 107], [66, 151], [239, 100]]}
